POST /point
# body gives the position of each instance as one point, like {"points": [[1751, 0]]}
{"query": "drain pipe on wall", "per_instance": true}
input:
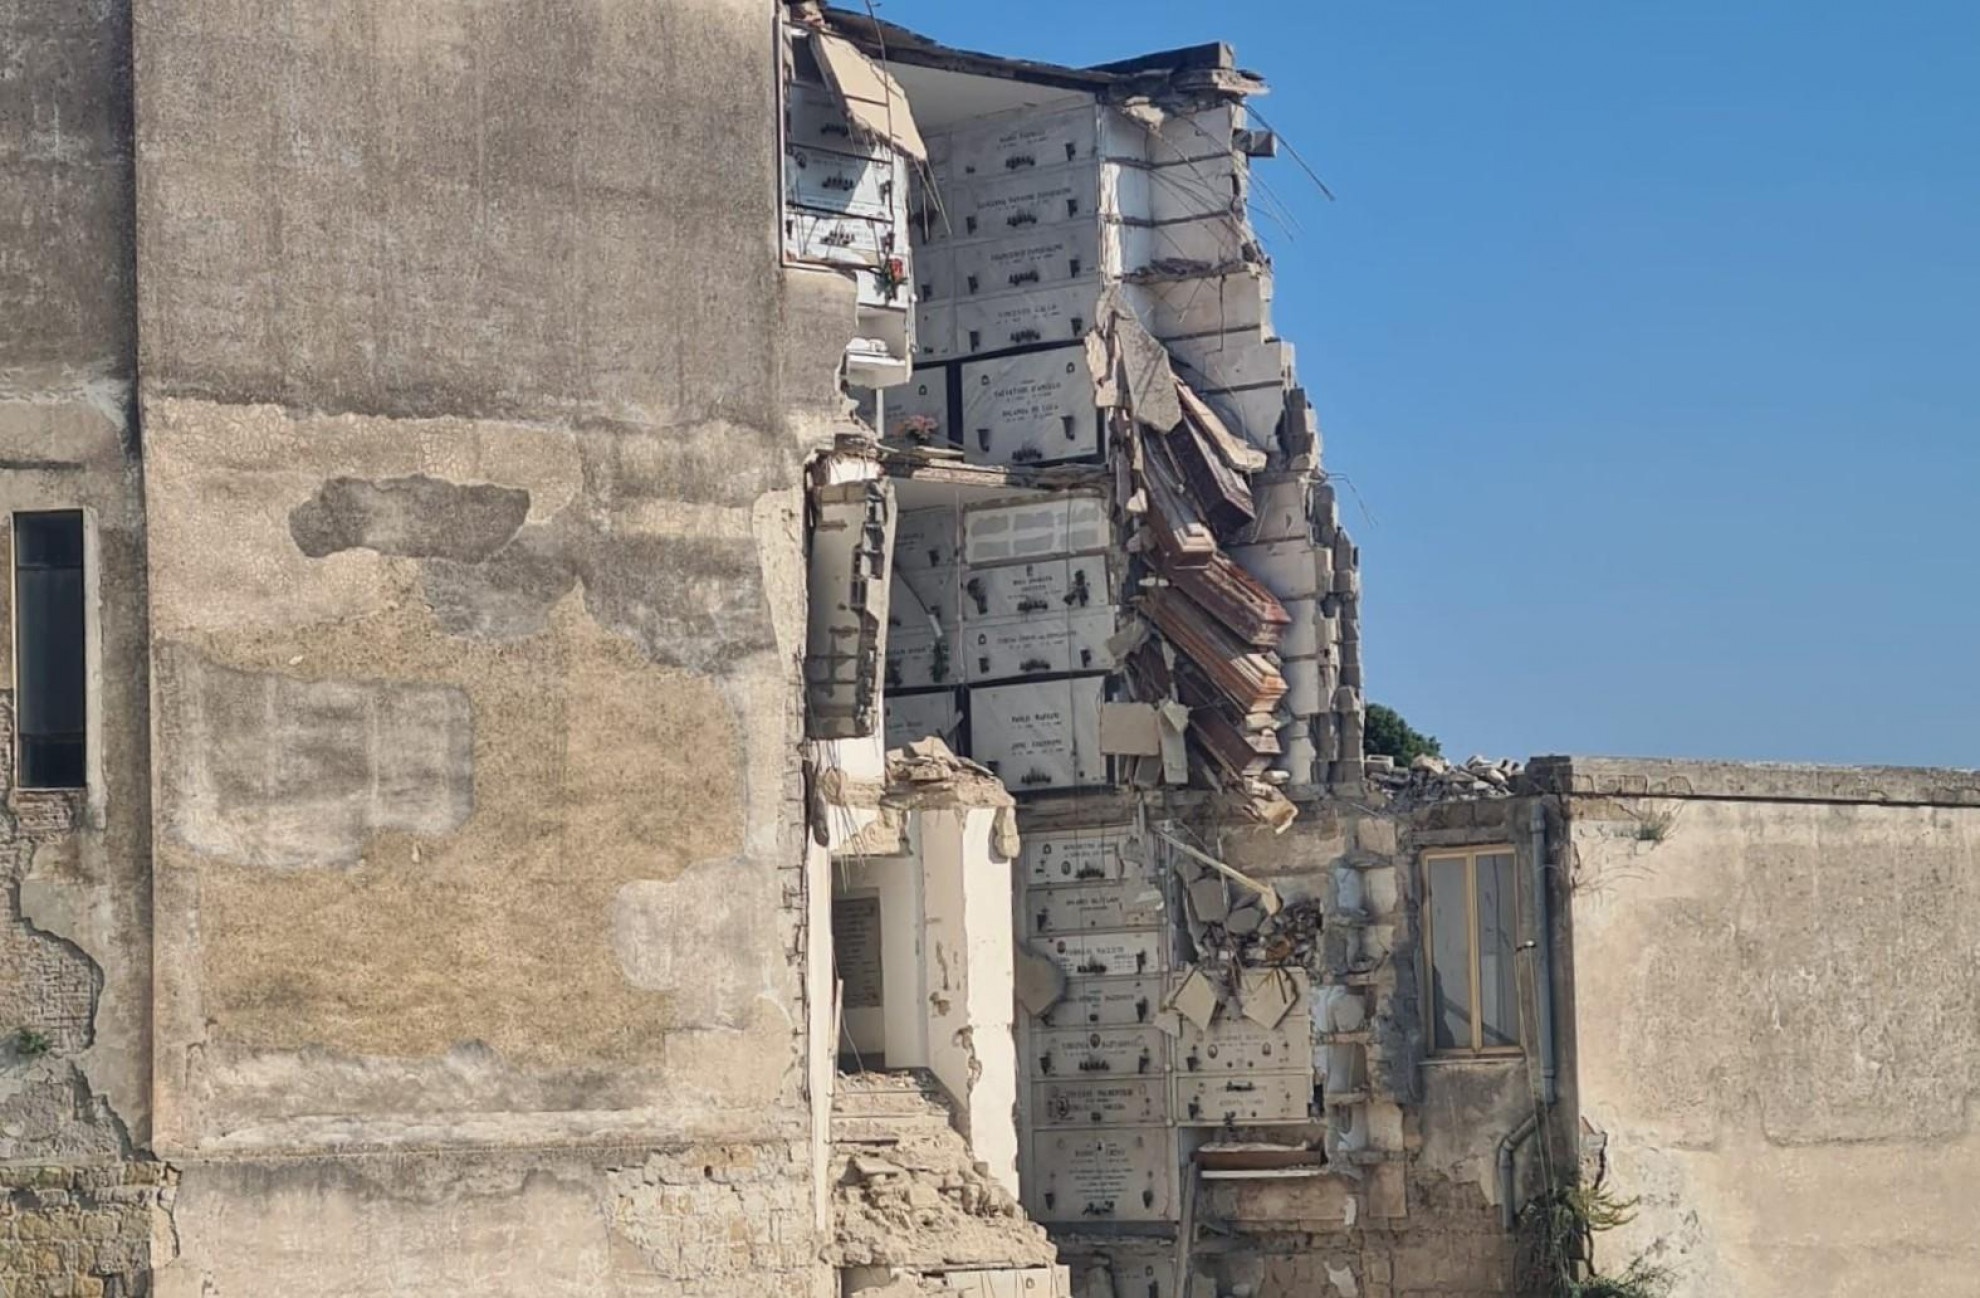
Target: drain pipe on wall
{"points": [[1542, 946], [1543, 951], [1508, 1215]]}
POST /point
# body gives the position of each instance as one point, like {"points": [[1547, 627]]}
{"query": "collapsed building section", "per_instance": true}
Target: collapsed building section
{"points": [[1080, 574]]}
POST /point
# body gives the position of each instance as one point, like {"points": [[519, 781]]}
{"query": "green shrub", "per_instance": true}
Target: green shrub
{"points": [[1386, 734]]}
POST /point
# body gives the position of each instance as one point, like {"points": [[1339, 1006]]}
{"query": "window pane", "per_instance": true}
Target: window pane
{"points": [[51, 763], [1498, 945], [49, 669], [48, 540], [1450, 956]]}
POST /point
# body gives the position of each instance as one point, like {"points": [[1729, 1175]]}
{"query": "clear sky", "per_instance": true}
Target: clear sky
{"points": [[1647, 333]]}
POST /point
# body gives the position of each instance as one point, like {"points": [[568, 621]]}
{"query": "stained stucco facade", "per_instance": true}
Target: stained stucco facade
{"points": [[1774, 1019], [474, 424], [470, 548]]}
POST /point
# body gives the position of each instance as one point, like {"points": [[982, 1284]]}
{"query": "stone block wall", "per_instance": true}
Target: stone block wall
{"points": [[70, 1231]]}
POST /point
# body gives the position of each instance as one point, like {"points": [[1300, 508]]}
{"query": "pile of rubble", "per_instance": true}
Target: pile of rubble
{"points": [[908, 1193], [1429, 780], [1246, 939]]}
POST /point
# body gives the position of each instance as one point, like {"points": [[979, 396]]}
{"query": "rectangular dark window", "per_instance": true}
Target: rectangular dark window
{"points": [[1472, 922], [50, 708]]}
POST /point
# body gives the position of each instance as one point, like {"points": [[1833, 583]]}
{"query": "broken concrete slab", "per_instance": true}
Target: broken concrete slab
{"points": [[1038, 981], [1130, 730], [1195, 998], [1266, 996]]}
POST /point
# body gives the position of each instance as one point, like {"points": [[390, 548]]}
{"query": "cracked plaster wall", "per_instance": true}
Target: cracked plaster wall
{"points": [[1776, 1029], [475, 408]]}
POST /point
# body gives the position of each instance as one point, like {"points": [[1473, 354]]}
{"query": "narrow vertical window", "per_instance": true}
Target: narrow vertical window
{"points": [[50, 712], [1471, 921]]}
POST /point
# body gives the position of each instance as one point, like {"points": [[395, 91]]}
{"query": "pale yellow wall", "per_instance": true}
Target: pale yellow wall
{"points": [[1776, 1013]]}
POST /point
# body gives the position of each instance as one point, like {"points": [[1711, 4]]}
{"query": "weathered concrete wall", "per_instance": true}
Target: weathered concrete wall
{"points": [[705, 1219], [1776, 1022], [75, 1216], [475, 405]]}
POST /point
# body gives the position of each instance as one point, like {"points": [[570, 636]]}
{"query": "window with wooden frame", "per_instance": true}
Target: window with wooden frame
{"points": [[1470, 935]]}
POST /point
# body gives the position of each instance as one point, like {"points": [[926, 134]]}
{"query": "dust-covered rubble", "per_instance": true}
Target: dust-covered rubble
{"points": [[907, 1191], [1432, 779]]}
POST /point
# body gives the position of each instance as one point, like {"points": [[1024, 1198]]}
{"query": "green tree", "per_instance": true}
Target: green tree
{"points": [[1387, 734]]}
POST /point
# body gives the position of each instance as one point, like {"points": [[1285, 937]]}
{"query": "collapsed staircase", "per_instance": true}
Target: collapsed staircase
{"points": [[914, 1213]]}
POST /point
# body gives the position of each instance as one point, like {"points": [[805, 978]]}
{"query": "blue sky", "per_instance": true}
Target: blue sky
{"points": [[1645, 334]]}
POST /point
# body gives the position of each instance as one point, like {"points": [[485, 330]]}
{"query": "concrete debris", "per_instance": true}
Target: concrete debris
{"points": [[1239, 455], [927, 773], [874, 102], [1245, 954], [1264, 896], [1195, 999], [1130, 729], [1142, 367], [1266, 996], [869, 1168], [1039, 981], [1265, 804], [907, 1191], [1431, 780], [1101, 364], [1209, 901]]}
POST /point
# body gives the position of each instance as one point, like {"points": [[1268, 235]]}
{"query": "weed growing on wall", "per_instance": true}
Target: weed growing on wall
{"points": [[1557, 1247]]}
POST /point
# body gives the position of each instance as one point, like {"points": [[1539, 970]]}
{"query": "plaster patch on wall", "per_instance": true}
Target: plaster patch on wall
{"points": [[419, 517], [591, 769], [284, 772], [714, 901], [48, 1113], [692, 601], [222, 481], [777, 523], [507, 598], [686, 602]]}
